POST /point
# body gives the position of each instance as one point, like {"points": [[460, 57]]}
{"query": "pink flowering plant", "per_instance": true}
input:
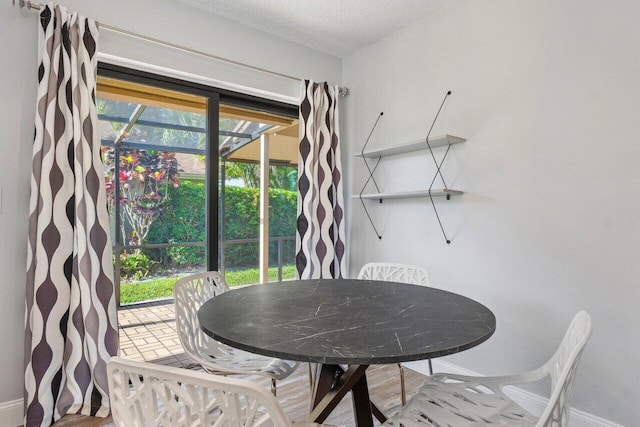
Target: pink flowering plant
{"points": [[144, 177]]}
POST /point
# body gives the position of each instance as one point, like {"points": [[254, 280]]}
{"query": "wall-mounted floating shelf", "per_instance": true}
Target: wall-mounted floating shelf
{"points": [[429, 143], [447, 192], [434, 142]]}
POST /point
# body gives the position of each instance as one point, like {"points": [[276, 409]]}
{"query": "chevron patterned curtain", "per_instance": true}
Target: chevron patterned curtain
{"points": [[320, 238], [71, 325]]}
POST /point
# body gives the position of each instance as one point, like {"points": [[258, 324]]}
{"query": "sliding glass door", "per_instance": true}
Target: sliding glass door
{"points": [[184, 182]]}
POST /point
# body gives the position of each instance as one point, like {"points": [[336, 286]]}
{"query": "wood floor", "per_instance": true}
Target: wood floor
{"points": [[293, 394]]}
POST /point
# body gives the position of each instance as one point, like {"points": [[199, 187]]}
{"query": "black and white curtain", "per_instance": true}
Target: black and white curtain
{"points": [[320, 238], [71, 325]]}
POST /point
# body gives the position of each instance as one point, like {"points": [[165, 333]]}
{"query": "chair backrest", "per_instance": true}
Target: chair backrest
{"points": [[146, 394], [189, 294], [562, 368], [402, 273]]}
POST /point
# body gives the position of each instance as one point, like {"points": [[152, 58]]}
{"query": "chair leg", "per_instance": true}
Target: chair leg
{"points": [[403, 392], [273, 386], [312, 384]]}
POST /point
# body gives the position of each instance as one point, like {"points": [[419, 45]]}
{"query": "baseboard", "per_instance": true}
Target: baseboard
{"points": [[12, 413], [530, 401]]}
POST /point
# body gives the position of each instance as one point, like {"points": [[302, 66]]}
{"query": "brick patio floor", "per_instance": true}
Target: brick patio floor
{"points": [[148, 333]]}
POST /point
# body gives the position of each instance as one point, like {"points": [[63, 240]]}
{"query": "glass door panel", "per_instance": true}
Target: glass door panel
{"points": [[242, 133], [154, 149]]}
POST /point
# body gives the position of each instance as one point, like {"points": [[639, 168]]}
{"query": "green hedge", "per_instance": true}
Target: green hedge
{"points": [[184, 221]]}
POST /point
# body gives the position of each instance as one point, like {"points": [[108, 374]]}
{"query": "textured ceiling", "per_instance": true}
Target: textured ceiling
{"points": [[337, 27]]}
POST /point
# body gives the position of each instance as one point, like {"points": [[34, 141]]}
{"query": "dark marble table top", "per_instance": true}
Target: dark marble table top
{"points": [[346, 321]]}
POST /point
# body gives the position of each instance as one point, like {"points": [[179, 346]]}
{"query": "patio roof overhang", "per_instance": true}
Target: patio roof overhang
{"points": [[283, 147], [241, 144]]}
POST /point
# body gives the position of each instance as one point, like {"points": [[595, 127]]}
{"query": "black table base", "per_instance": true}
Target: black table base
{"points": [[333, 383]]}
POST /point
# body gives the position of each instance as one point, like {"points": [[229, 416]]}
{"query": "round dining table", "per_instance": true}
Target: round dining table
{"points": [[346, 322]]}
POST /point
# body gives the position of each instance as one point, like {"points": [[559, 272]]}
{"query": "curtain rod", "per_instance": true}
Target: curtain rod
{"points": [[22, 4]]}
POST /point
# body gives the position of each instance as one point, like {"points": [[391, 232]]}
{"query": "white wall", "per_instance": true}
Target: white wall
{"points": [[17, 113], [167, 20], [547, 94]]}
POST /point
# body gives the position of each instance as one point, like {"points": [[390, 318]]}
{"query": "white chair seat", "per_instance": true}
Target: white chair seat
{"points": [[230, 360], [463, 401]]}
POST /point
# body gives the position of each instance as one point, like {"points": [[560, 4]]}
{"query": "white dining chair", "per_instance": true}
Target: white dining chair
{"points": [[144, 394], [464, 401], [394, 272], [401, 273], [189, 294]]}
